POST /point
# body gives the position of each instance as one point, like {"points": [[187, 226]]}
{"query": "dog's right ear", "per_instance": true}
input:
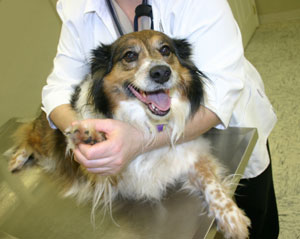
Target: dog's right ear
{"points": [[101, 61], [101, 65]]}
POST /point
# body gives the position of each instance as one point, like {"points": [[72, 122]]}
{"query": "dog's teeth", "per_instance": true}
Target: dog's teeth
{"points": [[153, 107]]}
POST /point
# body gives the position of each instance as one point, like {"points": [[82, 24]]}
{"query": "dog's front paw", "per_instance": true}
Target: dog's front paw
{"points": [[83, 134], [233, 222]]}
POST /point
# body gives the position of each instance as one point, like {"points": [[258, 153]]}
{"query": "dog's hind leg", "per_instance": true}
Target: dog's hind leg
{"points": [[18, 159], [22, 151], [30, 140], [206, 177]]}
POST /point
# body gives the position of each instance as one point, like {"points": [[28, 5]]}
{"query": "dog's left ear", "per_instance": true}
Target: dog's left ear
{"points": [[182, 49], [195, 89], [101, 61]]}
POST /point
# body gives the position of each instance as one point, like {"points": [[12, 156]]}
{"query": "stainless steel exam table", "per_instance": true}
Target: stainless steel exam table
{"points": [[32, 208]]}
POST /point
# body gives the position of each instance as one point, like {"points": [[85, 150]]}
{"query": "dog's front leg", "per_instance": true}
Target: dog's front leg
{"points": [[231, 220]]}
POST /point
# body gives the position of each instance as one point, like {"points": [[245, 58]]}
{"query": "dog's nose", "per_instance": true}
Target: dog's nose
{"points": [[160, 74]]}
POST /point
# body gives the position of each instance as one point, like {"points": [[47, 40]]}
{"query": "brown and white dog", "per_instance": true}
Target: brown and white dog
{"points": [[147, 80]]}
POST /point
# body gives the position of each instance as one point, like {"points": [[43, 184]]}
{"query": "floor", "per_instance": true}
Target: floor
{"points": [[275, 52]]}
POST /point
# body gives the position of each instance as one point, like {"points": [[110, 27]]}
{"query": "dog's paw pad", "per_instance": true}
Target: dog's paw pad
{"points": [[84, 134]]}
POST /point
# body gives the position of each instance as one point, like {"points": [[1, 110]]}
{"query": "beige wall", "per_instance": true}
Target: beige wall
{"points": [[29, 33], [276, 6]]}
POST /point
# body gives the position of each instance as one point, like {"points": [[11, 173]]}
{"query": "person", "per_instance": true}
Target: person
{"points": [[234, 94]]}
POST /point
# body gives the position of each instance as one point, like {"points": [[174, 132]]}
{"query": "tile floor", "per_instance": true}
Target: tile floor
{"points": [[275, 51]]}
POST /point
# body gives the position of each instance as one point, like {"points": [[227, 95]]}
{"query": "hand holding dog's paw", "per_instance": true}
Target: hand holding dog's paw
{"points": [[123, 143]]}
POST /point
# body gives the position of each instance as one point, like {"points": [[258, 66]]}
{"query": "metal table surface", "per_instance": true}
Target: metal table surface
{"points": [[31, 207]]}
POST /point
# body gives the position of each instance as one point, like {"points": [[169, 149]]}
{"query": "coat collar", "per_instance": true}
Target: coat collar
{"points": [[99, 8], [93, 6]]}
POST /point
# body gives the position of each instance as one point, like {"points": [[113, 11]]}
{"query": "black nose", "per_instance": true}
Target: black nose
{"points": [[160, 74]]}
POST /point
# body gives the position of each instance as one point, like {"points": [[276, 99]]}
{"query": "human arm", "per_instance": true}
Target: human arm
{"points": [[63, 116], [125, 142], [70, 66]]}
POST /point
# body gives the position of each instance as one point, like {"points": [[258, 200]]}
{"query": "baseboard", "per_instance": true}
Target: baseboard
{"points": [[279, 17]]}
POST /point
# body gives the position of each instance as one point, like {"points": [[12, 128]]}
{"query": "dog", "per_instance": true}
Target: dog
{"points": [[149, 81]]}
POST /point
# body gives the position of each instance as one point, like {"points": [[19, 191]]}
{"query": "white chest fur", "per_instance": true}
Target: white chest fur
{"points": [[150, 174]]}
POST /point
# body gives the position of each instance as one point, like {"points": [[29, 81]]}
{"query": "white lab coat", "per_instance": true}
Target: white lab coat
{"points": [[235, 91]]}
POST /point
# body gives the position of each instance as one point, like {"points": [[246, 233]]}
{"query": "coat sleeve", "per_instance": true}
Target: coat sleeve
{"points": [[70, 65]]}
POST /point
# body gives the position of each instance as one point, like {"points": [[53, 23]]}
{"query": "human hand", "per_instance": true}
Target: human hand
{"points": [[123, 143]]}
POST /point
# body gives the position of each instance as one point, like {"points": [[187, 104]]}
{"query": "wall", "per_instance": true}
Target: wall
{"points": [[278, 10], [29, 35], [245, 14]]}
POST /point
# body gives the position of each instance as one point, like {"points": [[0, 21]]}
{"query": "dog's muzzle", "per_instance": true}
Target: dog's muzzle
{"points": [[158, 101]]}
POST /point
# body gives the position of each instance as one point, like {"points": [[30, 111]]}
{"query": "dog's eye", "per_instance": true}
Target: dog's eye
{"points": [[130, 56], [165, 50]]}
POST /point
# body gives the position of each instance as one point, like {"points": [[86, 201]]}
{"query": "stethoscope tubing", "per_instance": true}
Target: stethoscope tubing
{"points": [[142, 10], [112, 13]]}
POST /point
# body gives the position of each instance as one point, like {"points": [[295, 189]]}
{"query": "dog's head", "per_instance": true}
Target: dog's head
{"points": [[146, 72]]}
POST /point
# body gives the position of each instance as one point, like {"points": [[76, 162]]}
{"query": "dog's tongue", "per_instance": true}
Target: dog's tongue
{"points": [[159, 99]]}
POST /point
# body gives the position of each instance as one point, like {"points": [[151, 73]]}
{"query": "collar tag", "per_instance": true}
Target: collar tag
{"points": [[160, 127]]}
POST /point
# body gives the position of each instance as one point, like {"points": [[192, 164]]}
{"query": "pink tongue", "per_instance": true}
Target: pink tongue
{"points": [[160, 99]]}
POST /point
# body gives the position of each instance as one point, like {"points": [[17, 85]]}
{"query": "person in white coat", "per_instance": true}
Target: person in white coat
{"points": [[235, 93]]}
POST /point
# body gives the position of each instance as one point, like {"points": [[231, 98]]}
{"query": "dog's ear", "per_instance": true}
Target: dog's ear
{"points": [[182, 49], [195, 88], [101, 65], [100, 98], [101, 61]]}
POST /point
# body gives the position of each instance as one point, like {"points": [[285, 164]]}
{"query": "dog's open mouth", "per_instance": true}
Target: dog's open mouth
{"points": [[158, 102]]}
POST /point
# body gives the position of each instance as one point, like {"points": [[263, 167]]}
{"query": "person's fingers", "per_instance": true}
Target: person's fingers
{"points": [[90, 163], [105, 171], [78, 157], [99, 150], [105, 125], [108, 157]]}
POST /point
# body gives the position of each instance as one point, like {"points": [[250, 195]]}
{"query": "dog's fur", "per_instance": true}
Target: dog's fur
{"points": [[147, 80]]}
